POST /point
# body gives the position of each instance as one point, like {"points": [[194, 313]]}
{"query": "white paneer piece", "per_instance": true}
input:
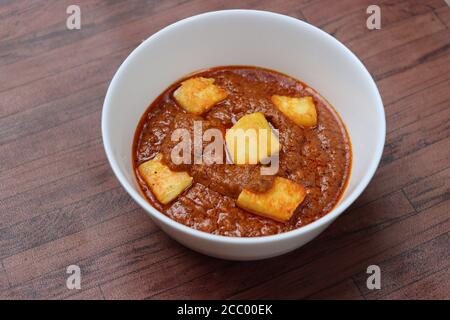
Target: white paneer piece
{"points": [[251, 140], [198, 95], [278, 203], [164, 183], [302, 111]]}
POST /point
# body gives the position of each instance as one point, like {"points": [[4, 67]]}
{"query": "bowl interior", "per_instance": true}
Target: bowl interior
{"points": [[241, 37]]}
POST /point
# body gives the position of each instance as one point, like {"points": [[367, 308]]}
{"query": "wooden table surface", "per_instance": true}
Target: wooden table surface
{"points": [[60, 203]]}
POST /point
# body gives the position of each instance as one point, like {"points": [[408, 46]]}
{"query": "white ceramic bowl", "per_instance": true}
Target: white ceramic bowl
{"points": [[244, 37]]}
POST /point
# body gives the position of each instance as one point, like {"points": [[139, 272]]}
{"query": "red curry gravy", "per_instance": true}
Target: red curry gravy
{"points": [[319, 158]]}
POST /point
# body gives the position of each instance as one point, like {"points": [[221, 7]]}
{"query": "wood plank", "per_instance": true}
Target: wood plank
{"points": [[409, 267], [145, 262], [97, 45], [49, 30], [151, 281], [408, 55], [412, 138], [411, 108], [45, 170], [4, 283], [150, 254], [346, 290], [52, 114], [60, 85], [56, 195], [429, 191], [433, 287], [11, 14], [43, 144], [72, 249], [317, 15], [291, 8], [426, 75], [90, 294], [395, 35], [64, 221], [410, 169], [351, 24], [444, 15], [372, 217], [52, 286]]}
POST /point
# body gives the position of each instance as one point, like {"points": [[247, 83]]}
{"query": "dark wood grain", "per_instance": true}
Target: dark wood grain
{"points": [[60, 203], [430, 191], [346, 290], [410, 266], [4, 284], [434, 286], [444, 15]]}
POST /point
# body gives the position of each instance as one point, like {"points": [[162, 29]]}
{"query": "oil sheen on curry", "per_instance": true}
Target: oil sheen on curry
{"points": [[290, 173]]}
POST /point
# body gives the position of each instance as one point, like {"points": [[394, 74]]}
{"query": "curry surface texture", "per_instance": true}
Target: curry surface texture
{"points": [[319, 158]]}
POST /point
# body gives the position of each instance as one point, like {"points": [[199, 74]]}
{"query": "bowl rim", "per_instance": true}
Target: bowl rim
{"points": [[323, 221]]}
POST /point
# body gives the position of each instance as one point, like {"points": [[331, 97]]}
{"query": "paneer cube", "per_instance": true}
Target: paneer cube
{"points": [[278, 203], [164, 183], [251, 140], [198, 95], [302, 111]]}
